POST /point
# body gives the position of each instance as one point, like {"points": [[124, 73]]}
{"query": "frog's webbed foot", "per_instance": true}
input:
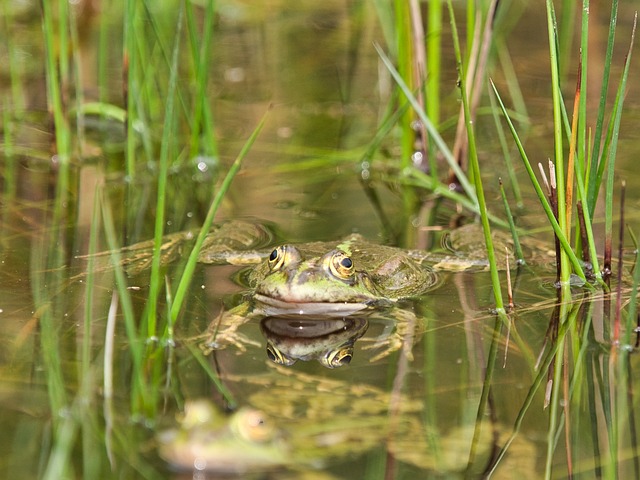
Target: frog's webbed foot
{"points": [[223, 332], [399, 333], [221, 340], [388, 343]]}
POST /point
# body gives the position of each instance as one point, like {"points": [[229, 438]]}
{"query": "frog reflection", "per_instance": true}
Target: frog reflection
{"points": [[330, 341]]}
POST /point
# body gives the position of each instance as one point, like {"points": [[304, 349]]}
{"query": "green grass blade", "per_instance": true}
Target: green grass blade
{"points": [[633, 300], [202, 124], [558, 157], [131, 85], [165, 151], [475, 166], [597, 155], [513, 85], [190, 267], [55, 69], [513, 179], [17, 91], [206, 366], [404, 56], [434, 48], [85, 355], [581, 146], [433, 131], [541, 196], [501, 317], [136, 347], [611, 151], [512, 226]]}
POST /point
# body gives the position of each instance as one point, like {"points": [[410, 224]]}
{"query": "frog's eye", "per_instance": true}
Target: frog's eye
{"points": [[252, 425], [341, 265], [338, 358], [276, 259], [198, 413], [282, 256], [276, 356]]}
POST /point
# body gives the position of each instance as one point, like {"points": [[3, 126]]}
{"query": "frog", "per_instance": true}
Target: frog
{"points": [[331, 279], [288, 418], [352, 276], [328, 280], [209, 440], [337, 278], [292, 420]]}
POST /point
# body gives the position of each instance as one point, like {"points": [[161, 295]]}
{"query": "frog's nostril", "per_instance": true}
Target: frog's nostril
{"points": [[303, 277]]}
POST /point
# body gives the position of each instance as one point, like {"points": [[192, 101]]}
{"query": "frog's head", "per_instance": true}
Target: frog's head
{"points": [[206, 439], [329, 284]]}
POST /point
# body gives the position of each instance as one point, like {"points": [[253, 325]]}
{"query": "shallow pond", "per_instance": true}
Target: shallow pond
{"points": [[88, 382]]}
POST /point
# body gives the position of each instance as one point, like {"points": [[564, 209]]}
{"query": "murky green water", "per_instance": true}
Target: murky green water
{"points": [[67, 392]]}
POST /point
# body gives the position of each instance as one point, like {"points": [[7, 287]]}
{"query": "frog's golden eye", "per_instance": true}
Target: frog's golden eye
{"points": [[198, 413], [341, 265], [276, 259], [283, 256], [276, 356], [252, 425], [338, 358]]}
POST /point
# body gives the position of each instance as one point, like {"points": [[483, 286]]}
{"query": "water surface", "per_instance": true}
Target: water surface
{"points": [[317, 67]]}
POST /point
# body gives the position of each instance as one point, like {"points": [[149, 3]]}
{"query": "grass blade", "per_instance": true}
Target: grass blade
{"points": [[597, 155], [433, 131], [165, 149], [613, 145], [541, 196], [558, 157], [190, 267]]}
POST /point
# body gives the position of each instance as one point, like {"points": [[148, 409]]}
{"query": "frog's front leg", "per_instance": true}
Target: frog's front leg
{"points": [[401, 332], [223, 330]]}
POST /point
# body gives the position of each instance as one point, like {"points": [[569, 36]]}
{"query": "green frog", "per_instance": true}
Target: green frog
{"points": [[288, 418], [207, 439], [328, 280], [304, 420], [323, 279], [338, 278]]}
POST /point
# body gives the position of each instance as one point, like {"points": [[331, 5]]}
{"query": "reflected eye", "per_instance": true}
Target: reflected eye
{"points": [[276, 356], [341, 265], [338, 358]]}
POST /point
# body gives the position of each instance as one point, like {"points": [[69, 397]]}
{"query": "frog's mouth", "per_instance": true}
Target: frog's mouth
{"points": [[274, 306]]}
